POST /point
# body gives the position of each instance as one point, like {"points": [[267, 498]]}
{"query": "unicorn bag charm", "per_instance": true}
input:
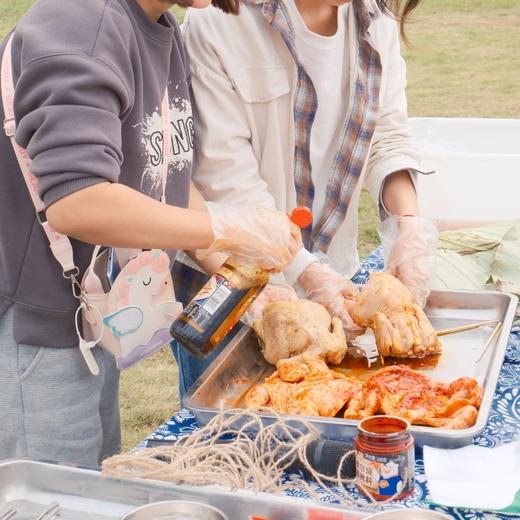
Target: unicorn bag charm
{"points": [[132, 320]]}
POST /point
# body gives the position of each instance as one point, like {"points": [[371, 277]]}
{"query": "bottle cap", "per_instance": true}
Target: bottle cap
{"points": [[301, 216]]}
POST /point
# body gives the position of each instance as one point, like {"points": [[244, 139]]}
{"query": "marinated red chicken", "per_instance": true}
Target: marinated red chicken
{"points": [[290, 329], [400, 326], [399, 390], [307, 387], [311, 388]]}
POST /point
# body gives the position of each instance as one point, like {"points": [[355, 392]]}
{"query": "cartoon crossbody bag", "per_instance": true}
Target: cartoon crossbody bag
{"points": [[131, 318]]}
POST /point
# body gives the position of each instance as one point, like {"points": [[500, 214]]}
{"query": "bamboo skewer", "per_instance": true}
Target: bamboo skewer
{"points": [[461, 328], [488, 342]]}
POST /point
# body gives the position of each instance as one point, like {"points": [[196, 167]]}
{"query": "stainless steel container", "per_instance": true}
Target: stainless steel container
{"points": [[28, 487], [241, 365], [175, 510]]}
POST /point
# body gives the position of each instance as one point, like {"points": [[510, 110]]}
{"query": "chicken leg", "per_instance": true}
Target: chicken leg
{"points": [[400, 326]]}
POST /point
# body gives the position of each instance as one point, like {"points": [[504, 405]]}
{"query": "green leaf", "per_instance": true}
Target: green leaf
{"points": [[480, 258]]}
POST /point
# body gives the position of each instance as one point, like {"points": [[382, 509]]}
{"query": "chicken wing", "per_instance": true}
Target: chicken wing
{"points": [[316, 391], [399, 390]]}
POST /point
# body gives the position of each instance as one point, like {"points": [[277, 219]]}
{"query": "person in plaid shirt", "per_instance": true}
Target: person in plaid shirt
{"points": [[302, 103]]}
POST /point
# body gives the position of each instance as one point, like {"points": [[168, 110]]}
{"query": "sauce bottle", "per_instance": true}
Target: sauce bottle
{"points": [[218, 306], [385, 457]]}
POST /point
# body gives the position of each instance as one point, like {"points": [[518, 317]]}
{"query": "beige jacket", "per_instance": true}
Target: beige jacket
{"points": [[244, 80]]}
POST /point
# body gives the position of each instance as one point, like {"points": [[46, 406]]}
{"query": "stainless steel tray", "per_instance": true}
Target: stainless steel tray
{"points": [[28, 487], [241, 364]]}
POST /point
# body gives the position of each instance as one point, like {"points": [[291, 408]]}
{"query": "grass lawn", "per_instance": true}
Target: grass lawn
{"points": [[464, 61]]}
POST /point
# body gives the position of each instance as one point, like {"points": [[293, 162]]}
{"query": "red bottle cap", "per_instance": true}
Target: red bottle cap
{"points": [[301, 216]]}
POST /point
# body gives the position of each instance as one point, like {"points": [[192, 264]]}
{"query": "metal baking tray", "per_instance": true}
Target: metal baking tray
{"points": [[28, 487], [241, 365]]}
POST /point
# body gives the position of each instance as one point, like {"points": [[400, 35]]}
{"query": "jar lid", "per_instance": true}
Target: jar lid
{"points": [[384, 425], [301, 216]]}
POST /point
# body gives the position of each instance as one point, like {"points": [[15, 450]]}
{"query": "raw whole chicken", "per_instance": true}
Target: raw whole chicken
{"points": [[400, 326], [307, 387], [289, 329], [399, 390]]}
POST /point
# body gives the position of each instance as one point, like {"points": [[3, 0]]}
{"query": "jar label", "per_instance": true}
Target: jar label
{"points": [[209, 300], [386, 475]]}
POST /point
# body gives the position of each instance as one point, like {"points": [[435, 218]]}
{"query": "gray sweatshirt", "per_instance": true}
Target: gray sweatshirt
{"points": [[89, 79]]}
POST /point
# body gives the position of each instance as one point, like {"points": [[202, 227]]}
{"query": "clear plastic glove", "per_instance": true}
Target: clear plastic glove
{"points": [[322, 284], [409, 248], [256, 233], [277, 290]]}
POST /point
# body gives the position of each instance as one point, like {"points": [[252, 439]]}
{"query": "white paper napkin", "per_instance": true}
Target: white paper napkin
{"points": [[474, 477]]}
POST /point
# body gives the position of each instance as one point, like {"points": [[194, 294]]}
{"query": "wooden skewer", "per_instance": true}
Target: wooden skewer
{"points": [[464, 327], [488, 342]]}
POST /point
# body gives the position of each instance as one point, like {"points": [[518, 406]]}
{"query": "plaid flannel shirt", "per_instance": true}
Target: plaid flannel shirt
{"points": [[357, 131], [354, 143]]}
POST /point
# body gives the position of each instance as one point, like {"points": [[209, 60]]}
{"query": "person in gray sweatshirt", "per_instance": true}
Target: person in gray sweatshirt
{"points": [[90, 77]]}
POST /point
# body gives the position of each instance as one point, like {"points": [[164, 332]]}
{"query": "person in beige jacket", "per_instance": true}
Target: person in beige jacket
{"points": [[302, 102]]}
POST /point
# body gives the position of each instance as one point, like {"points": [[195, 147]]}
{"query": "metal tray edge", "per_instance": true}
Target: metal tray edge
{"points": [[461, 437], [157, 488]]}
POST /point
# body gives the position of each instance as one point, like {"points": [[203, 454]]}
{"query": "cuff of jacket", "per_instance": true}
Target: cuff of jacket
{"points": [[298, 264], [384, 212], [378, 172], [62, 190], [375, 183]]}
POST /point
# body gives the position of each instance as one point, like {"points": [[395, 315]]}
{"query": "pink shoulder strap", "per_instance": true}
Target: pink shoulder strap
{"points": [[60, 244], [167, 136]]}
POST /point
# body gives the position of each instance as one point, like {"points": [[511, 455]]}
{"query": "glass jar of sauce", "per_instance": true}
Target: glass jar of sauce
{"points": [[218, 306], [385, 458]]}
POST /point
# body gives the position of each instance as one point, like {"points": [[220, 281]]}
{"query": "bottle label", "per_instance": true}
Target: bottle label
{"points": [[386, 475], [208, 300]]}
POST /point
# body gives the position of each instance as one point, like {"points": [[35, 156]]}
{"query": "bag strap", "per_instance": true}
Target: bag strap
{"points": [[167, 136], [60, 244]]}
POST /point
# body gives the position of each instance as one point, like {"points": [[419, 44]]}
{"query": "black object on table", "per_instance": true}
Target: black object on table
{"points": [[323, 456]]}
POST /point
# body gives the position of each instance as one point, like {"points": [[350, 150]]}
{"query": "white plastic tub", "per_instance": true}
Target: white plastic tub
{"points": [[477, 170]]}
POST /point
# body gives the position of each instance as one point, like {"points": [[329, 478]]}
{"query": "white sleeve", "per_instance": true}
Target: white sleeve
{"points": [[299, 263], [393, 146]]}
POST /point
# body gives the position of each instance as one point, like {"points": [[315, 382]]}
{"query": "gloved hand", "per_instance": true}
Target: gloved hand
{"points": [[256, 233], [277, 290], [322, 284], [409, 248]]}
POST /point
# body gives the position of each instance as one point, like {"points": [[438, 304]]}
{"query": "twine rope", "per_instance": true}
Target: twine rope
{"points": [[237, 451]]}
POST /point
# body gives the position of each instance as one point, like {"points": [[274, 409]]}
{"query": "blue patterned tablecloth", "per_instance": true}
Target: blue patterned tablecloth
{"points": [[503, 425]]}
